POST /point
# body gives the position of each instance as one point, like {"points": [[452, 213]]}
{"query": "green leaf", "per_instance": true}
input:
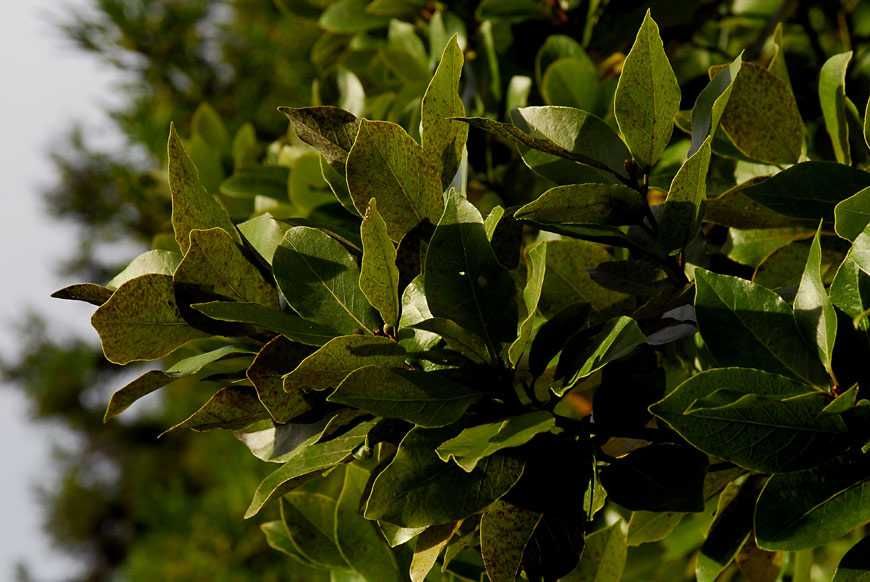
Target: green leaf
{"points": [[358, 539], [289, 325], [568, 280], [535, 270], [429, 545], [681, 214], [647, 96], [711, 103], [474, 444], [155, 262], [762, 117], [192, 207], [276, 443], [87, 292], [855, 565], [320, 280], [329, 130], [386, 163], [809, 190], [444, 139], [553, 334], [269, 181], [141, 321], [832, 96], [246, 150], [860, 251], [426, 399], [505, 530], [208, 125], [555, 47], [264, 233], [752, 247], [515, 136], [810, 508], [607, 204], [328, 366], [350, 17], [744, 324], [214, 263], [735, 209], [152, 380], [305, 461], [850, 289], [658, 477], [731, 528], [230, 408], [277, 357], [574, 131], [582, 356], [771, 423], [604, 555], [852, 214], [813, 310], [867, 123], [379, 276], [309, 514], [464, 281], [418, 489], [571, 82]]}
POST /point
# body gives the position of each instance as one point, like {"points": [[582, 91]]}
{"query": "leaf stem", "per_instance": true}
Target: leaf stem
{"points": [[803, 566]]}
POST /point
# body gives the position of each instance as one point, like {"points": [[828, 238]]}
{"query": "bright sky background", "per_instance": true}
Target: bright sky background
{"points": [[46, 85]]}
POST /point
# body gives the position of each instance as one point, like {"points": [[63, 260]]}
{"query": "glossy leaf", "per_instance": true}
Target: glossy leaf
{"points": [[320, 280], [313, 459], [156, 262], [767, 423], [813, 309], [379, 276], [606, 204], [464, 281], [852, 214], [418, 489], [711, 103], [747, 325], [535, 270], [832, 96], [809, 508], [469, 447], [647, 96]]}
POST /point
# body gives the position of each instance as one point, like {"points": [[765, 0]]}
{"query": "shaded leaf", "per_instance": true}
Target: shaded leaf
{"points": [[320, 280], [505, 529], [604, 555], [730, 529], [230, 408], [810, 508], [88, 292], [711, 103], [277, 357], [379, 276], [767, 423], [855, 565], [418, 489], [429, 546], [535, 269], [289, 325], [306, 461], [681, 214], [428, 400], [606, 204], [852, 215], [464, 281], [328, 366]]}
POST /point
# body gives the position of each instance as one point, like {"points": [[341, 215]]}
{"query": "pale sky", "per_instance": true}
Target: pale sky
{"points": [[46, 84]]}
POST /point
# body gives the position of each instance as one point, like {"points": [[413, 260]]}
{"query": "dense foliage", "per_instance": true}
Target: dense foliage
{"points": [[661, 309]]}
